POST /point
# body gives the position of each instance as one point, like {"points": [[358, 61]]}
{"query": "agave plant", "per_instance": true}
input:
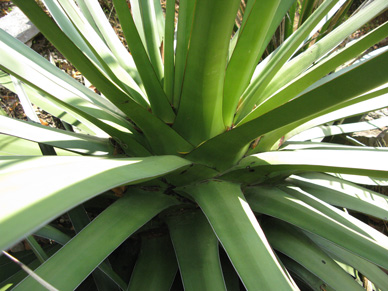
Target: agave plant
{"points": [[211, 164]]}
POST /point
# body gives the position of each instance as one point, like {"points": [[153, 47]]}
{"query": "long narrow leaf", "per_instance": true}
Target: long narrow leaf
{"points": [[26, 206], [196, 247], [240, 234], [73, 263], [343, 194], [229, 147], [280, 58], [294, 244], [153, 87], [200, 111], [55, 137], [372, 272], [248, 50], [276, 203], [156, 265]]}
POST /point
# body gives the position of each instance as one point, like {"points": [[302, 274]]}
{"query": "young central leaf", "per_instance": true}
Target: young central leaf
{"points": [[200, 110]]}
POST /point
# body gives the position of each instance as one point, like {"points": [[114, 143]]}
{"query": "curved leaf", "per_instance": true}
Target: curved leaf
{"points": [[343, 194], [199, 115], [80, 143], [294, 244], [53, 185], [196, 248], [240, 234], [156, 265], [372, 272], [279, 204], [75, 261]]}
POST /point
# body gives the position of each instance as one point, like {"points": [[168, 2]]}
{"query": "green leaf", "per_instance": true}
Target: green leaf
{"points": [[342, 193], [97, 17], [196, 248], [246, 54], [240, 234], [156, 265], [80, 143], [80, 219], [202, 91], [168, 49], [299, 82], [228, 148], [151, 33], [81, 32], [372, 272], [288, 48], [153, 87], [370, 244], [323, 131], [73, 263], [184, 31], [368, 162], [48, 104], [300, 273], [364, 180], [313, 54], [72, 181], [370, 101], [51, 233], [296, 245]]}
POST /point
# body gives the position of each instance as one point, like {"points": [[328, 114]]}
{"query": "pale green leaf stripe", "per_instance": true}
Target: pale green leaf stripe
{"points": [[371, 271], [322, 131], [156, 265], [108, 121], [70, 30], [342, 193], [74, 262], [294, 244], [67, 140], [248, 50], [196, 248], [59, 39], [53, 185], [200, 111], [342, 86], [369, 161], [240, 234], [277, 203]]}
